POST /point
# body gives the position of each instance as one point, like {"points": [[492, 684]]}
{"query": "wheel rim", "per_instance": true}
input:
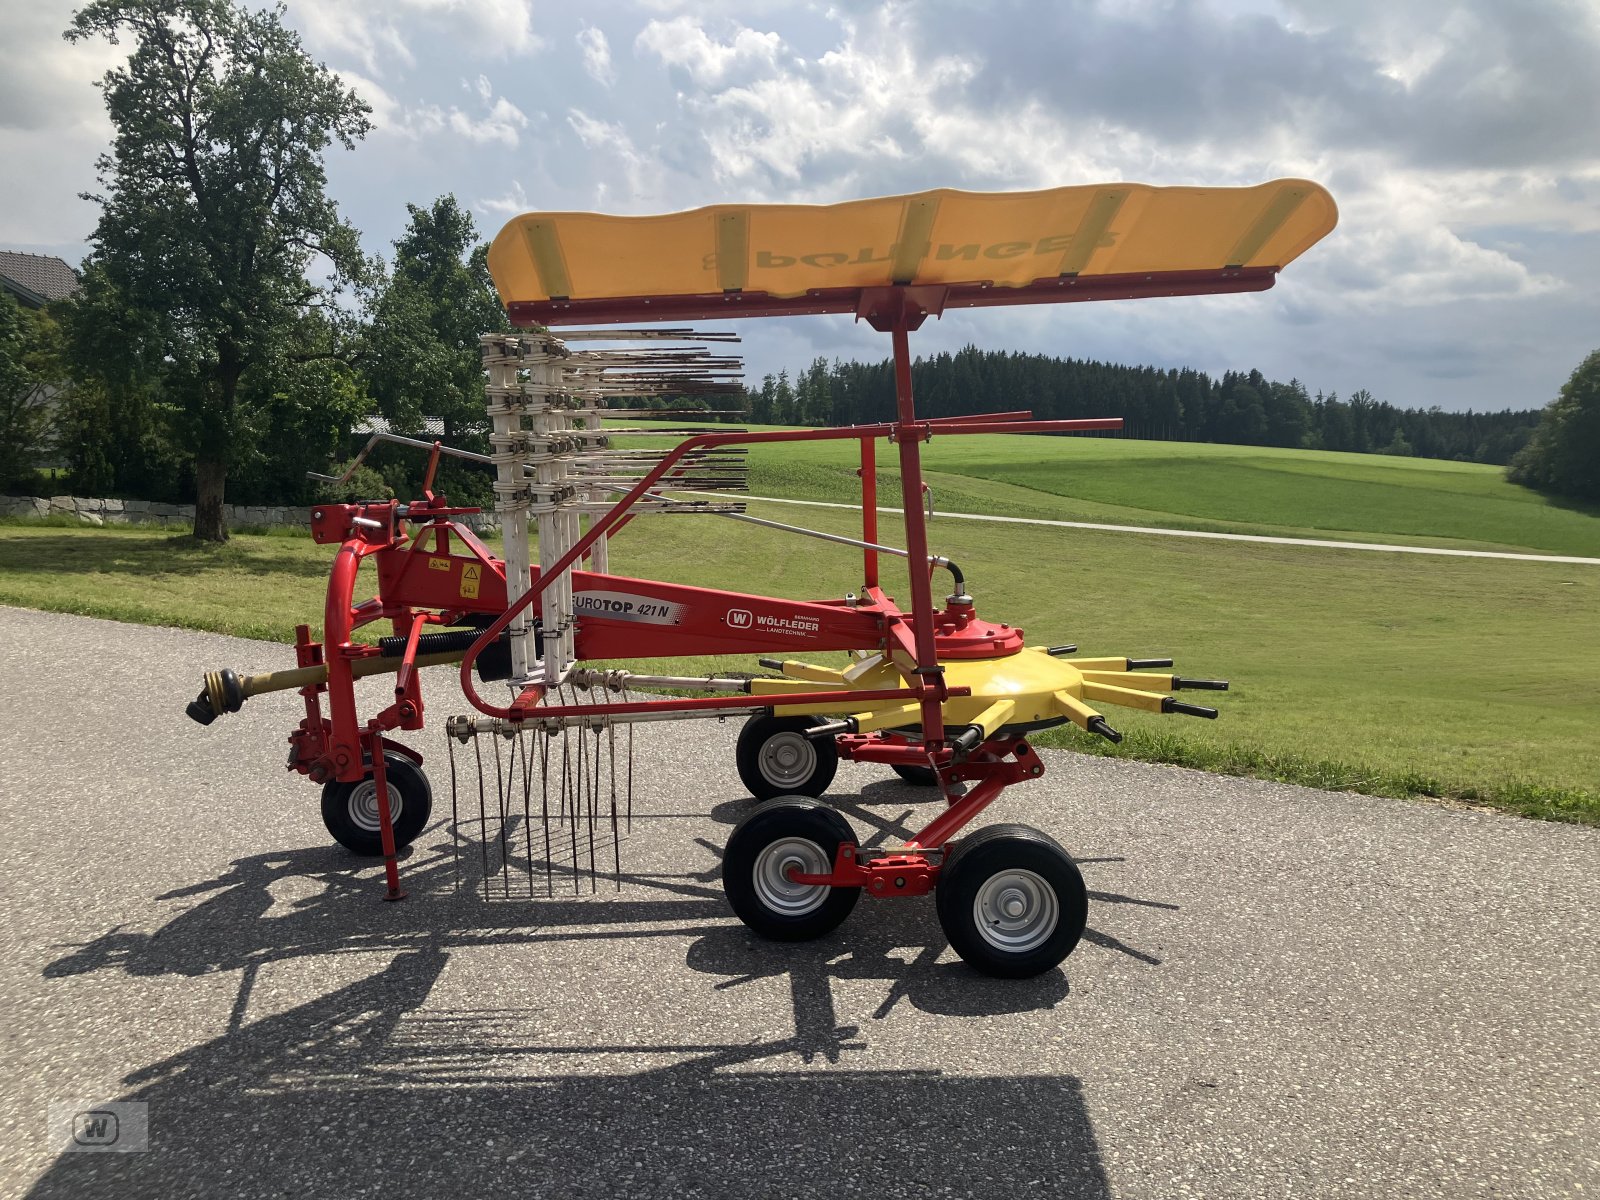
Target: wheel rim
{"points": [[1016, 911], [781, 894], [787, 759], [364, 805]]}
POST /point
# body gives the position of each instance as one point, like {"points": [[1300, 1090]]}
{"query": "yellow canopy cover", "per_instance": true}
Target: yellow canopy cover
{"points": [[609, 265]]}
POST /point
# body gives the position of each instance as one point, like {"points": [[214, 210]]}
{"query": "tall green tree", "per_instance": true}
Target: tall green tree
{"points": [[214, 207], [421, 357], [1563, 455], [31, 377]]}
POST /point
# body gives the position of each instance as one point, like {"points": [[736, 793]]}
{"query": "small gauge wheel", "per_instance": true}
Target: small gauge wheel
{"points": [[776, 758], [350, 810]]}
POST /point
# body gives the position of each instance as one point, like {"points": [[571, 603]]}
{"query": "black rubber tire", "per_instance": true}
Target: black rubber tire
{"points": [[916, 776], [817, 762], [994, 851], [747, 869], [407, 783]]}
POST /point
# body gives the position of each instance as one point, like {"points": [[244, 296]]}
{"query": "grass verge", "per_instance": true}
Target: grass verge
{"points": [[1465, 680], [1520, 796]]}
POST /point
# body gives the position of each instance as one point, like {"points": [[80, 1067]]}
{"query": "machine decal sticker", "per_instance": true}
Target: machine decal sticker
{"points": [[624, 606], [470, 575]]}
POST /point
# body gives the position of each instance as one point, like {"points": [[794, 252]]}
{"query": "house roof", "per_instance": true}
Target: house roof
{"points": [[431, 427], [37, 279]]}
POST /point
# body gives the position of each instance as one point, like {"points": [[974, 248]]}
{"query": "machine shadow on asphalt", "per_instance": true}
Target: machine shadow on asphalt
{"points": [[361, 1084], [371, 1076]]}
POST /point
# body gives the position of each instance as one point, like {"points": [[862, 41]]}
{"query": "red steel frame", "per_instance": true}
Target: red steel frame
{"points": [[340, 747]]}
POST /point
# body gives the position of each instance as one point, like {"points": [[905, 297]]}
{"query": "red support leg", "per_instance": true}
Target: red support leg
{"points": [[380, 781], [869, 511]]}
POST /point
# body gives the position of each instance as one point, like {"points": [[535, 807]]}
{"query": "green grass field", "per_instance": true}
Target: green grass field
{"points": [[1185, 485], [1396, 674]]}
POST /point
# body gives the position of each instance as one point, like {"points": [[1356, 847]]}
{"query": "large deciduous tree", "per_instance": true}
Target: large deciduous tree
{"points": [[30, 378], [1563, 455], [422, 357], [214, 212]]}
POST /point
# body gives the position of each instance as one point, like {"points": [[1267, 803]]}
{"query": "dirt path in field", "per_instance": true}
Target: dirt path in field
{"points": [[1321, 543]]}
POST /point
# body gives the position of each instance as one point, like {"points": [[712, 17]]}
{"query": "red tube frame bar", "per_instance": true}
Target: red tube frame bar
{"points": [[918, 432], [895, 310]]}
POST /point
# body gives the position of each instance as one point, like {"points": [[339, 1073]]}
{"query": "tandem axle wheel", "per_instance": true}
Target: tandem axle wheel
{"points": [[1010, 900]]}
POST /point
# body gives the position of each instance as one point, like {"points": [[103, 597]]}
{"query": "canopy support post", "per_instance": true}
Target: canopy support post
{"points": [[908, 438]]}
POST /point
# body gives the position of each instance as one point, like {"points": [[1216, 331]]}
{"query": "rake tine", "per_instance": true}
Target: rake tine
{"points": [[527, 797], [616, 838], [628, 699], [483, 818], [544, 768], [566, 775], [455, 816], [500, 789]]}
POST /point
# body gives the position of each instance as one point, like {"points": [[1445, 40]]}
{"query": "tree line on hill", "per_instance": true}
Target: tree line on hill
{"points": [[229, 331], [1240, 408]]}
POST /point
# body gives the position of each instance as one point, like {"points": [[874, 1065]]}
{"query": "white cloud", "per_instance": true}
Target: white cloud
{"points": [[596, 55], [1398, 245], [874, 114], [498, 121], [642, 176], [377, 30], [52, 125], [501, 123], [681, 42], [386, 111], [509, 205], [369, 34], [1458, 142]]}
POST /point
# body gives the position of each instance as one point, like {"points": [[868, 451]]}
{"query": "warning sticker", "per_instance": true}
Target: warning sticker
{"points": [[438, 564], [469, 581]]}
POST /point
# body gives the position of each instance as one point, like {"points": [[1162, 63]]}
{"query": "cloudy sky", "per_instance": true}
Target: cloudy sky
{"points": [[1461, 140]]}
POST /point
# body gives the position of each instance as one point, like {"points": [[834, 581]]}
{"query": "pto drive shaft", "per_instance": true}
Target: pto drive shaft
{"points": [[226, 691]]}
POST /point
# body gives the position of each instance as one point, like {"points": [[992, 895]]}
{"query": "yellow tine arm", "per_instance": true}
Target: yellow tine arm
{"points": [[993, 717], [1127, 697], [1079, 713], [1100, 664], [800, 670], [866, 722], [1084, 717], [777, 687], [888, 718], [1120, 664], [1160, 683]]}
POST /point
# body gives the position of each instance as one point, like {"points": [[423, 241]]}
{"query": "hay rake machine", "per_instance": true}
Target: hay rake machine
{"points": [[944, 697]]}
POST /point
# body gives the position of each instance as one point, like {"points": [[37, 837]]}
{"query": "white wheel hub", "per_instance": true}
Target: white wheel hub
{"points": [[777, 891], [364, 805], [1016, 911], [787, 759]]}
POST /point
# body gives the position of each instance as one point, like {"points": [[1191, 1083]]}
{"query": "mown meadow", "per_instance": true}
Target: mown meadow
{"points": [[1389, 673]]}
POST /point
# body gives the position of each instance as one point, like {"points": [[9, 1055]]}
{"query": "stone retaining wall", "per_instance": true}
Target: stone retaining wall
{"points": [[151, 512]]}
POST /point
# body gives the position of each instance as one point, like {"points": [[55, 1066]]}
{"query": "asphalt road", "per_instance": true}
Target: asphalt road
{"points": [[1283, 993]]}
